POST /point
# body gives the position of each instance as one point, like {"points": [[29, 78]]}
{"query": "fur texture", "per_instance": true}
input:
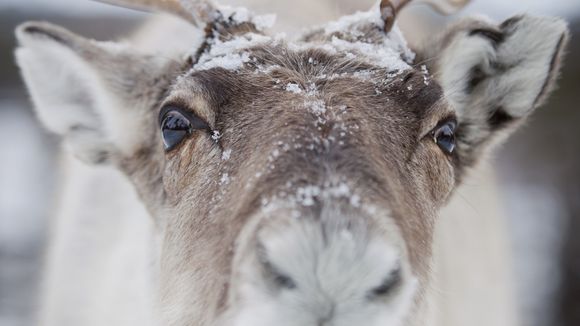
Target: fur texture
{"points": [[312, 198]]}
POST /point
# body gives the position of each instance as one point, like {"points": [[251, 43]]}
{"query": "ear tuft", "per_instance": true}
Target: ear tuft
{"points": [[61, 84], [33, 31], [93, 94], [544, 39], [495, 75]]}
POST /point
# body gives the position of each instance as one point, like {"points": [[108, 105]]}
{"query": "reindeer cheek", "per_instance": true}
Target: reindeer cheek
{"points": [[434, 172]]}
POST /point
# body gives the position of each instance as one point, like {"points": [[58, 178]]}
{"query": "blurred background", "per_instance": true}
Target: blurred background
{"points": [[538, 169]]}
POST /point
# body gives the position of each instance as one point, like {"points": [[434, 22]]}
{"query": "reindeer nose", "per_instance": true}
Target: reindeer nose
{"points": [[329, 265]]}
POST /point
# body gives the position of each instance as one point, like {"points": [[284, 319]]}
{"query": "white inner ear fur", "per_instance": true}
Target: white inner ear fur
{"points": [[530, 51], [516, 70], [72, 99]]}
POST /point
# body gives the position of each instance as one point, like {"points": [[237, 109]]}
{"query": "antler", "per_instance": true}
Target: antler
{"points": [[197, 12], [390, 8], [389, 11]]}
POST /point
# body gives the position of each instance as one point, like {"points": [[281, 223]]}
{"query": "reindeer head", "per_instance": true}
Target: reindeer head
{"points": [[294, 182]]}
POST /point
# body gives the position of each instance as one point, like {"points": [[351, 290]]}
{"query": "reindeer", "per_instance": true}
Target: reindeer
{"points": [[283, 182]]}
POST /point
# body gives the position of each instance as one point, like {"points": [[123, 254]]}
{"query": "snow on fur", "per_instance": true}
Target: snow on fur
{"points": [[393, 53]]}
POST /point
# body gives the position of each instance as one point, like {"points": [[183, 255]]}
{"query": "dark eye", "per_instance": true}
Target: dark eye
{"points": [[444, 136], [177, 124]]}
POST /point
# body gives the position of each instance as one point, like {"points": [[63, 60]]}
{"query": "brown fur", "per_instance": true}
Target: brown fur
{"points": [[387, 153]]}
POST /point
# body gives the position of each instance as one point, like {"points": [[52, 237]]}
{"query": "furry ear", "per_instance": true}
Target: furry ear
{"points": [[496, 75], [96, 95]]}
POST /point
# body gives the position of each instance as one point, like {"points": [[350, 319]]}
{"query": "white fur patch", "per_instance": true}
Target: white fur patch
{"points": [[516, 69], [63, 89], [78, 98], [335, 269]]}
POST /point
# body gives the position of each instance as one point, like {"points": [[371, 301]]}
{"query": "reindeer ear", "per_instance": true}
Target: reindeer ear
{"points": [[94, 94], [496, 75]]}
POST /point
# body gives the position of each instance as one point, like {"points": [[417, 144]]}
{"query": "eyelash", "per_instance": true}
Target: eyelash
{"points": [[444, 136], [177, 124], [185, 112]]}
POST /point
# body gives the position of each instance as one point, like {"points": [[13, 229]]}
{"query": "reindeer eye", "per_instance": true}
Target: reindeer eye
{"points": [[177, 124], [444, 136]]}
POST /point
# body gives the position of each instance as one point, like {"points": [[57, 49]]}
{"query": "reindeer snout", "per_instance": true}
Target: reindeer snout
{"points": [[324, 265]]}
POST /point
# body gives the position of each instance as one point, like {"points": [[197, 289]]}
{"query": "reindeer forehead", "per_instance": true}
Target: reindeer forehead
{"points": [[354, 52], [237, 41], [324, 63]]}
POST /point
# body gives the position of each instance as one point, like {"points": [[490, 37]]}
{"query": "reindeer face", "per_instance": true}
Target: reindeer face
{"points": [[320, 166], [300, 145], [295, 182]]}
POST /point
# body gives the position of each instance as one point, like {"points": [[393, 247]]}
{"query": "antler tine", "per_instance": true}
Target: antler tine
{"points": [[195, 11], [389, 11], [390, 8]]}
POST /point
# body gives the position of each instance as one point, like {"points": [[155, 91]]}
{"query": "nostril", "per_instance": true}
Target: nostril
{"points": [[284, 281], [272, 272], [389, 283]]}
